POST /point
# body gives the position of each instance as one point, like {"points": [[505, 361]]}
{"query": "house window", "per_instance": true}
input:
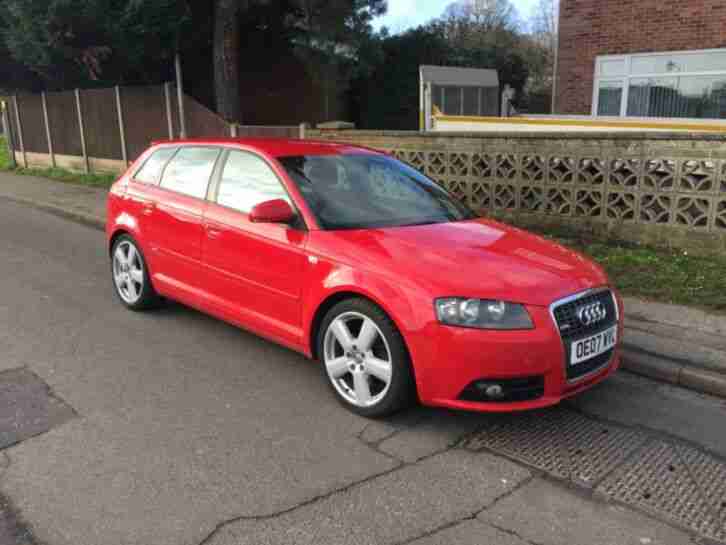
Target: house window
{"points": [[466, 100], [689, 84]]}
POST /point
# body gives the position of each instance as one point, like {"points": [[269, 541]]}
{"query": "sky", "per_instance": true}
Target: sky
{"points": [[404, 14]]}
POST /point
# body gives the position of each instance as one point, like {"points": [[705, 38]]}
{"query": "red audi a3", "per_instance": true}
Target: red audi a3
{"points": [[363, 263]]}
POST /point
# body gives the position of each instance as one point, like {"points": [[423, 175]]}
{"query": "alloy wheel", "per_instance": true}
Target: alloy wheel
{"points": [[128, 272], [358, 359]]}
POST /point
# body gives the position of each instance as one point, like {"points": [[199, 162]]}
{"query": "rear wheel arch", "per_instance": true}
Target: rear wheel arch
{"points": [[143, 296], [118, 233], [122, 231]]}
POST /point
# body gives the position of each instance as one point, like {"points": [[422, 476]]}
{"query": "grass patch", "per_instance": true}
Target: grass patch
{"points": [[4, 154], [58, 174], [666, 276], [70, 177]]}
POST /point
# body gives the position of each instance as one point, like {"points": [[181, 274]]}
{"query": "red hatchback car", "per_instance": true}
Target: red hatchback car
{"points": [[358, 260]]}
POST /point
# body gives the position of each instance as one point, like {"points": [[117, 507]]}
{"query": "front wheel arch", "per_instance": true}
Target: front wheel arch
{"points": [[338, 297], [329, 302], [401, 390]]}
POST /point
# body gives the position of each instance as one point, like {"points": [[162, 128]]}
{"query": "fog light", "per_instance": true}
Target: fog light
{"points": [[491, 391], [494, 391]]}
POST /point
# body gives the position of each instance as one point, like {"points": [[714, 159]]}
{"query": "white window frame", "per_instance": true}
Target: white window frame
{"points": [[627, 76]]}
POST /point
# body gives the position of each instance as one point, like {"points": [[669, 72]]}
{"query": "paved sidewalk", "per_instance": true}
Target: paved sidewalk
{"points": [[675, 344], [84, 204]]}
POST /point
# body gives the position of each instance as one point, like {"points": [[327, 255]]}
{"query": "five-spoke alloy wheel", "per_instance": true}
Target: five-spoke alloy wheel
{"points": [[365, 358], [130, 277]]}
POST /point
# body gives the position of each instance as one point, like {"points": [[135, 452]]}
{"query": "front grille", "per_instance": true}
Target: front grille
{"points": [[569, 324], [571, 330], [513, 389]]}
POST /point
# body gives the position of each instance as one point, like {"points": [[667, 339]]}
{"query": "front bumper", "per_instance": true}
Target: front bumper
{"points": [[449, 359]]}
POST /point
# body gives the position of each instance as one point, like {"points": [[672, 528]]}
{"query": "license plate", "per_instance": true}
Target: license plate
{"points": [[588, 348]]}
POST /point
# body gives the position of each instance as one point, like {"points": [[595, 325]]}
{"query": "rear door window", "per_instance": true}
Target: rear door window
{"points": [[150, 172], [190, 170]]}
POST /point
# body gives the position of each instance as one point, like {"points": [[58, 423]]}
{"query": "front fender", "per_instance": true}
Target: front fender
{"points": [[408, 307]]}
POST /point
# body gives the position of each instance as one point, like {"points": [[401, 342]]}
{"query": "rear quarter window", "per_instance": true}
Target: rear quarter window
{"points": [[150, 172]]}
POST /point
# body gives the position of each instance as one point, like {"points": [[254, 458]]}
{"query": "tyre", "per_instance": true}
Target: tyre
{"points": [[365, 359], [130, 276]]}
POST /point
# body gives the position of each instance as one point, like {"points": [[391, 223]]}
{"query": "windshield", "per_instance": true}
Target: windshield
{"points": [[367, 191]]}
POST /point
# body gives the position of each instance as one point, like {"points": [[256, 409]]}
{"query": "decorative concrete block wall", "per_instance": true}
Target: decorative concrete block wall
{"points": [[663, 189]]}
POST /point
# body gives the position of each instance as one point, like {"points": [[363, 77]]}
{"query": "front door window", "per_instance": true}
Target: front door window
{"points": [[247, 181]]}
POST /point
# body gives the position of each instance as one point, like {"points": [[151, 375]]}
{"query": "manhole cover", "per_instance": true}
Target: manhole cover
{"points": [[560, 442], [27, 407], [677, 481]]}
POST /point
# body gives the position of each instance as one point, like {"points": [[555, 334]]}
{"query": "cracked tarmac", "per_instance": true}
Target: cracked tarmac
{"points": [[184, 430]]}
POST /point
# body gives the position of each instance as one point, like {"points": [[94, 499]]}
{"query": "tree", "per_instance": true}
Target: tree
{"points": [[469, 34], [325, 34], [81, 43], [331, 36], [545, 22], [227, 57], [485, 34], [486, 15], [386, 96], [13, 74], [71, 43], [542, 55]]}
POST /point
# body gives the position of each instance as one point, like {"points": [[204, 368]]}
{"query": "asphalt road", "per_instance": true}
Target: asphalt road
{"points": [[187, 430]]}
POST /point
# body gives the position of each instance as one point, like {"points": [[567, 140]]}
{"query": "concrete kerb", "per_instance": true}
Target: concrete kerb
{"points": [[683, 317], [79, 217], [673, 372]]}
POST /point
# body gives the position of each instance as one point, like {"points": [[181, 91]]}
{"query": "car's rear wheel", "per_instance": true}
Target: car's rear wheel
{"points": [[131, 276], [365, 359]]}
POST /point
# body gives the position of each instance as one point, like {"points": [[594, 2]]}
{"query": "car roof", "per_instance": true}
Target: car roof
{"points": [[276, 147]]}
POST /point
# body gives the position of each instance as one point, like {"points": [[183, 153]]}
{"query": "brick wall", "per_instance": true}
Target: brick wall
{"points": [[589, 28]]}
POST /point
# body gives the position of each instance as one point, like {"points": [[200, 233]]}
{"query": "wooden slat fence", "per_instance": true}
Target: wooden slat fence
{"points": [[118, 125]]}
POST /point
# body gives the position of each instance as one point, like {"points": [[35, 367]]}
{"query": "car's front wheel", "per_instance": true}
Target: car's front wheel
{"points": [[365, 359], [131, 276]]}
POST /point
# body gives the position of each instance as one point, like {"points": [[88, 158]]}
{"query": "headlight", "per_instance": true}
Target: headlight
{"points": [[482, 313]]}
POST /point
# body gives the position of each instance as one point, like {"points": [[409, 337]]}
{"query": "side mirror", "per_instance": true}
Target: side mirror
{"points": [[275, 211]]}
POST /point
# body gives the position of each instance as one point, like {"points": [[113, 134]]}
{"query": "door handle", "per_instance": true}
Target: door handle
{"points": [[212, 232], [148, 208]]}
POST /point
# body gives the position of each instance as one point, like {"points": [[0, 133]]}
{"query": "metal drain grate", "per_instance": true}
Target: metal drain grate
{"points": [[560, 442], [676, 481]]}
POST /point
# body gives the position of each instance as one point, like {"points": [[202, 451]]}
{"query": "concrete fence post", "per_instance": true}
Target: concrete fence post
{"points": [[44, 102], [9, 139], [303, 129], [169, 118], [121, 126], [21, 143], [82, 131], [180, 95], [233, 132]]}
